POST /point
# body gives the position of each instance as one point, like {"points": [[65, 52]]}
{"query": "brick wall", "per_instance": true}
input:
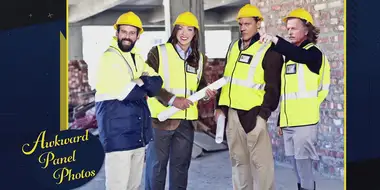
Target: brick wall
{"points": [[78, 82], [328, 16]]}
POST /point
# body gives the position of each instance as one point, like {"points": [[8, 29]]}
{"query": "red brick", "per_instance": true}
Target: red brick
{"points": [[323, 40], [276, 7], [340, 114], [334, 65], [338, 74]]}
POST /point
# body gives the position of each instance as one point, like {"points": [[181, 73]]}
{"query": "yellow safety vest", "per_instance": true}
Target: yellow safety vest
{"points": [[179, 78], [115, 72], [245, 75], [302, 92]]}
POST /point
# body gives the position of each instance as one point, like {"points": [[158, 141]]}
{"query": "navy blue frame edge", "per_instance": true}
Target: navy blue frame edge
{"points": [[362, 79], [30, 78]]}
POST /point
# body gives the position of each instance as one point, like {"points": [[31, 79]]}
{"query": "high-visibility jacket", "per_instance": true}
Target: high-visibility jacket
{"points": [[122, 112], [245, 75], [302, 92], [179, 78]]}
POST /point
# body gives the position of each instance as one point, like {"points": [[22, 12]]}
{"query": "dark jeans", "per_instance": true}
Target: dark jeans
{"points": [[176, 145]]}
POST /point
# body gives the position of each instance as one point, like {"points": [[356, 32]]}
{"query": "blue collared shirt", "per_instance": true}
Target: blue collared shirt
{"points": [[183, 54]]}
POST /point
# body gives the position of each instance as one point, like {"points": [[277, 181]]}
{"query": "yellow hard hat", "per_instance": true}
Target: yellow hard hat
{"points": [[129, 18], [187, 19], [249, 10], [301, 14]]}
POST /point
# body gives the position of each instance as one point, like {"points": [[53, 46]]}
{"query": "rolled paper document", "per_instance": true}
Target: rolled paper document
{"points": [[220, 125], [164, 115]]}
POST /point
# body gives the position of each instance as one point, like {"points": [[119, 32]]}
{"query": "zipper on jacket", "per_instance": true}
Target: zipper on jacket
{"points": [[185, 87], [134, 61], [232, 74], [142, 126], [286, 115]]}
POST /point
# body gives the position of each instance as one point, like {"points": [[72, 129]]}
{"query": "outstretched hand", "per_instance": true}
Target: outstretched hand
{"points": [[265, 38]]}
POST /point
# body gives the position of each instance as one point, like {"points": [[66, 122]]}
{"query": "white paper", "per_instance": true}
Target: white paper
{"points": [[220, 125], [164, 115]]}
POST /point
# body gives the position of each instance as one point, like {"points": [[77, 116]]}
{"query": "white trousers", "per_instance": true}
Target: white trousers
{"points": [[124, 169]]}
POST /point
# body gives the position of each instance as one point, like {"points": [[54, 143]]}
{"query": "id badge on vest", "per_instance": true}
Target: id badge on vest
{"points": [[291, 69], [191, 69], [244, 58]]}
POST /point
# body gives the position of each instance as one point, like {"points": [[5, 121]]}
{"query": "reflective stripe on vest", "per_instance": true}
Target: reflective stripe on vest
{"points": [[302, 90], [179, 79], [104, 97], [128, 88], [112, 49], [245, 77], [248, 82], [245, 83], [166, 75], [119, 94]]}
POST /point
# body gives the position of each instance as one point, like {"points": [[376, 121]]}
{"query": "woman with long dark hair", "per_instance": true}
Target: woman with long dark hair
{"points": [[180, 64]]}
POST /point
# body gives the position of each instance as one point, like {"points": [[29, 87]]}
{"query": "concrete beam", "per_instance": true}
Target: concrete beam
{"points": [[235, 33], [74, 2], [75, 42], [108, 18], [157, 15], [210, 4], [229, 15], [148, 2], [88, 8]]}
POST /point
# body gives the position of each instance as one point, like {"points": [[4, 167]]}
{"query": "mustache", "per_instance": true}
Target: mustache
{"points": [[126, 40]]}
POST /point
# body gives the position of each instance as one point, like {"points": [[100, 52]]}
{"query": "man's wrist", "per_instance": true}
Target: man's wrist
{"points": [[170, 103], [139, 82], [275, 40]]}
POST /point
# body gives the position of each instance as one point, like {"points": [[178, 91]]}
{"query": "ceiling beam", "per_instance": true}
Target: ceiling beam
{"points": [[210, 4], [87, 8], [229, 15]]}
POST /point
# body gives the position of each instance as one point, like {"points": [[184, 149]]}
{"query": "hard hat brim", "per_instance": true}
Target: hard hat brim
{"points": [[141, 29], [285, 19], [260, 18], [186, 24]]}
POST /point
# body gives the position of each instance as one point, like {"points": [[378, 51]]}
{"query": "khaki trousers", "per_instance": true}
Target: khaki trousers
{"points": [[251, 155], [124, 169]]}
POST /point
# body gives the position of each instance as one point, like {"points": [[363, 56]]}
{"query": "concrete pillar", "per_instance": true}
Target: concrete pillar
{"points": [[75, 42], [235, 33], [175, 7]]}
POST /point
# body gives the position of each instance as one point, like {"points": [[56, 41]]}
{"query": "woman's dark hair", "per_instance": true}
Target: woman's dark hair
{"points": [[194, 57]]}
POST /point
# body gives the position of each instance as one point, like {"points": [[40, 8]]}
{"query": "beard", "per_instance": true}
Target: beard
{"points": [[124, 47]]}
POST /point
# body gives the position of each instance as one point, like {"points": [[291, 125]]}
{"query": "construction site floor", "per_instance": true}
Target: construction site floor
{"points": [[213, 171]]}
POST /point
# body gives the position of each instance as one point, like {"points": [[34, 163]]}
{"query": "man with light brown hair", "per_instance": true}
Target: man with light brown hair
{"points": [[305, 84]]}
